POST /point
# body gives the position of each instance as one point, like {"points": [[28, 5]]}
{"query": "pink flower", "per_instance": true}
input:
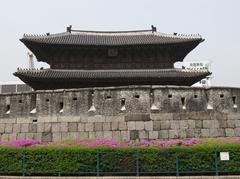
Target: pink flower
{"points": [[24, 143]]}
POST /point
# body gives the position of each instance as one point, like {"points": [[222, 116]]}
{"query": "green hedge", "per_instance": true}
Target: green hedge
{"points": [[75, 160]]}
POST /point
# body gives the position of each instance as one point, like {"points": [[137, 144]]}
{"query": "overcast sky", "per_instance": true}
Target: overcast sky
{"points": [[218, 21]]}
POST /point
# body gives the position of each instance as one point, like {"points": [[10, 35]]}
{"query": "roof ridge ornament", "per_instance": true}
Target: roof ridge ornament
{"points": [[154, 29], [69, 28]]}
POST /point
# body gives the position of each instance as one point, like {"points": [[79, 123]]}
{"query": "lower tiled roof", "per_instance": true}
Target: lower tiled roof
{"points": [[101, 74]]}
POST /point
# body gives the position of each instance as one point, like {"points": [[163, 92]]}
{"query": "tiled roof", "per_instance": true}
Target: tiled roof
{"points": [[98, 38], [109, 74]]}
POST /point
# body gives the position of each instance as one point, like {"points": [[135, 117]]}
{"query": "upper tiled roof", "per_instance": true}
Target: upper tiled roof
{"points": [[107, 38]]}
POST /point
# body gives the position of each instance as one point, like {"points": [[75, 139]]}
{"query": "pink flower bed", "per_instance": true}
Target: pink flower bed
{"points": [[114, 143]]}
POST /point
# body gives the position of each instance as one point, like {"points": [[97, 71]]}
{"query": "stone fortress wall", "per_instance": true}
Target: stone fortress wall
{"points": [[122, 113]]}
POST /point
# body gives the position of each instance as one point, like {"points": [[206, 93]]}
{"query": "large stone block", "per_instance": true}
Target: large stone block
{"points": [[174, 124], [229, 132], [122, 126], [207, 124], [125, 135], [46, 137], [163, 134], [205, 133], [198, 124], [137, 117], [96, 118], [24, 127], [64, 127], [12, 136], [153, 134], [107, 126], [148, 125], [40, 127], [131, 125], [115, 125], [143, 134], [173, 134], [56, 127], [47, 127], [33, 128], [98, 126], [165, 124], [161, 116], [8, 128], [107, 134], [139, 125], [72, 126], [191, 124], [88, 127], [82, 126], [56, 137], [134, 134], [117, 135], [2, 127], [156, 125], [231, 123], [5, 137], [21, 136], [184, 124]]}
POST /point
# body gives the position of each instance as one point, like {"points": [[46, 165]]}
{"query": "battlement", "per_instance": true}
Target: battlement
{"points": [[124, 113]]}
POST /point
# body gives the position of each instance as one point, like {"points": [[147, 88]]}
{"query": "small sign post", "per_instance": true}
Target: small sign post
{"points": [[224, 156]]}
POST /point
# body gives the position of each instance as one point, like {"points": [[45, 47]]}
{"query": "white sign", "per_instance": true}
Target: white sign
{"points": [[197, 65], [224, 156]]}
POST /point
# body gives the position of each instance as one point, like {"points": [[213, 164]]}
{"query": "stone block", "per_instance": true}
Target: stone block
{"points": [[165, 124], [163, 134], [56, 137], [17, 128], [117, 135], [148, 125], [29, 135], [40, 127], [64, 127], [198, 123], [107, 126], [223, 123], [131, 125], [173, 134], [46, 137], [229, 132], [47, 127], [82, 126], [237, 123], [191, 124], [214, 132], [137, 117], [37, 136], [23, 120], [125, 135], [161, 116], [237, 132], [143, 134], [88, 127], [134, 135], [98, 126], [107, 134], [122, 126], [8, 120], [5, 137], [91, 135], [12, 136], [207, 124], [56, 127], [24, 127], [21, 136], [8, 128], [83, 135], [99, 134], [74, 135], [174, 124], [115, 126], [156, 125], [33, 128], [182, 133], [184, 124], [215, 124], [96, 118], [233, 116], [72, 126], [205, 133], [139, 125], [231, 123], [2, 127], [65, 136], [190, 133], [153, 135]]}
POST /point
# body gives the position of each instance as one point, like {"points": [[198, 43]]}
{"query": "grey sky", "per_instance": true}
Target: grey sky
{"points": [[218, 21]]}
